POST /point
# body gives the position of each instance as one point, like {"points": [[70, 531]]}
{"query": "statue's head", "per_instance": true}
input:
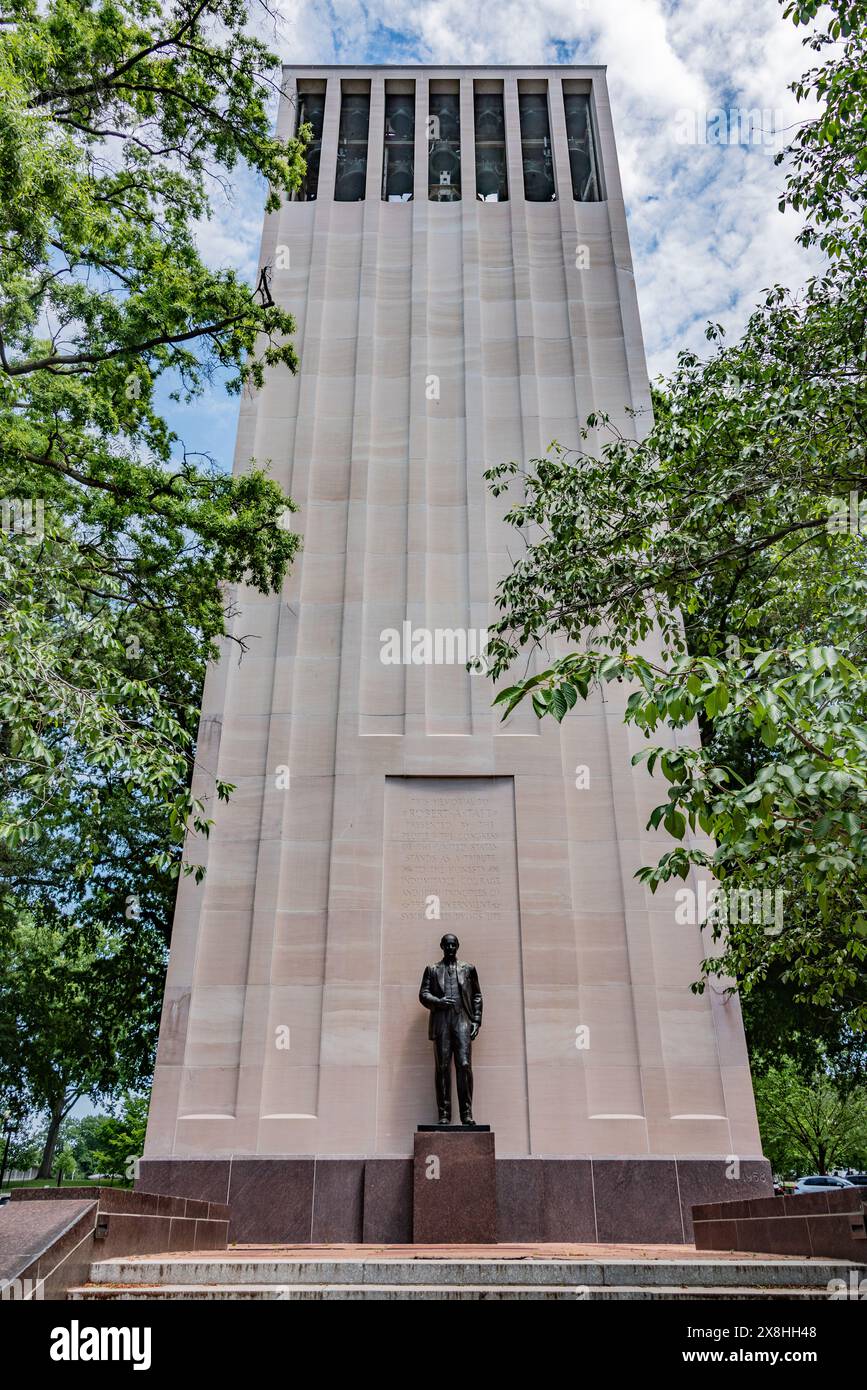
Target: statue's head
{"points": [[449, 946]]}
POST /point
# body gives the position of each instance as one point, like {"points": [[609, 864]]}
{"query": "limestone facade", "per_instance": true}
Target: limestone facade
{"points": [[291, 1022]]}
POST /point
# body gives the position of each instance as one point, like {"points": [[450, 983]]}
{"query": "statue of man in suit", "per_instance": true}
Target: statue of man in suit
{"points": [[451, 991]]}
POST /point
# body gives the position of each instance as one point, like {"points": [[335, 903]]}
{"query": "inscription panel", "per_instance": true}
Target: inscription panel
{"points": [[455, 841]]}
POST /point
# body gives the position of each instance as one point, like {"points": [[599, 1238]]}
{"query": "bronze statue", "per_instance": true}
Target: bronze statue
{"points": [[451, 991]]}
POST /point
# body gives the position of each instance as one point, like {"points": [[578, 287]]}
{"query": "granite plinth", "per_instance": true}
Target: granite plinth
{"points": [[363, 1199], [454, 1187]]}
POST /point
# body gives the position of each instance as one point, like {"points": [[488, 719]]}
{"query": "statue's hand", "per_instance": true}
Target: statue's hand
{"points": [[474, 1031]]}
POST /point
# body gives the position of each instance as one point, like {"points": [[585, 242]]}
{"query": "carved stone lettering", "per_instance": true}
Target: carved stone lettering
{"points": [[452, 838]]}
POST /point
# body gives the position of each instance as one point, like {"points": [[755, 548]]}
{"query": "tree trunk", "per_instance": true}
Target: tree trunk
{"points": [[56, 1120]]}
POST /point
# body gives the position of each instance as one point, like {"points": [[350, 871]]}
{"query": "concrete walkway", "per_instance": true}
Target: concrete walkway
{"points": [[593, 1254]]}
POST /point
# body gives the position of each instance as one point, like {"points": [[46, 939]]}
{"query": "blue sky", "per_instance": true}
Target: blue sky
{"points": [[704, 226]]}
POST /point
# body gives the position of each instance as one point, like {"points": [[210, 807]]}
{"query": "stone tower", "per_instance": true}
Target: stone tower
{"points": [[459, 267]]}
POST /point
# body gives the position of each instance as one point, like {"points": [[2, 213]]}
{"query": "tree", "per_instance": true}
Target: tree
{"points": [[119, 541], [807, 1125], [116, 116], [71, 1021], [121, 1139], [19, 1139], [82, 1136], [25, 1147], [64, 1163], [779, 1025], [710, 561]]}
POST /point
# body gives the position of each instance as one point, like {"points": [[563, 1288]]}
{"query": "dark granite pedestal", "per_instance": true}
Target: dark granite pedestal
{"points": [[454, 1186], [364, 1200]]}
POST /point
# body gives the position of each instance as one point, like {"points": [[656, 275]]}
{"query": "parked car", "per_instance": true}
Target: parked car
{"points": [[857, 1179], [821, 1183]]}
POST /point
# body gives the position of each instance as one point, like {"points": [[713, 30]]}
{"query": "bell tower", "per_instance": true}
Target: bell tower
{"points": [[458, 263]]}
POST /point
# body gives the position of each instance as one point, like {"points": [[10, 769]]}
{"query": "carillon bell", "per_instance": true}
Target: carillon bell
{"points": [[538, 179], [490, 124], [444, 160], [449, 122], [534, 118], [353, 121], [400, 179], [490, 177], [400, 121], [351, 178]]}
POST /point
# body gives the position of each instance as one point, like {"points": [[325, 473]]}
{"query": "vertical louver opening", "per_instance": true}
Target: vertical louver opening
{"points": [[582, 151], [311, 111], [492, 184], [444, 143], [352, 145], [398, 143], [536, 153]]}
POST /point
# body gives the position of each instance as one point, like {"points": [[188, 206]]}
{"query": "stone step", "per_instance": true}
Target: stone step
{"points": [[334, 1292], [449, 1273]]}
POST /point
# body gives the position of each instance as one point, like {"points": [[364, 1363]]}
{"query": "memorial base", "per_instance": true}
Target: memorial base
{"points": [[360, 1200], [454, 1186]]}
